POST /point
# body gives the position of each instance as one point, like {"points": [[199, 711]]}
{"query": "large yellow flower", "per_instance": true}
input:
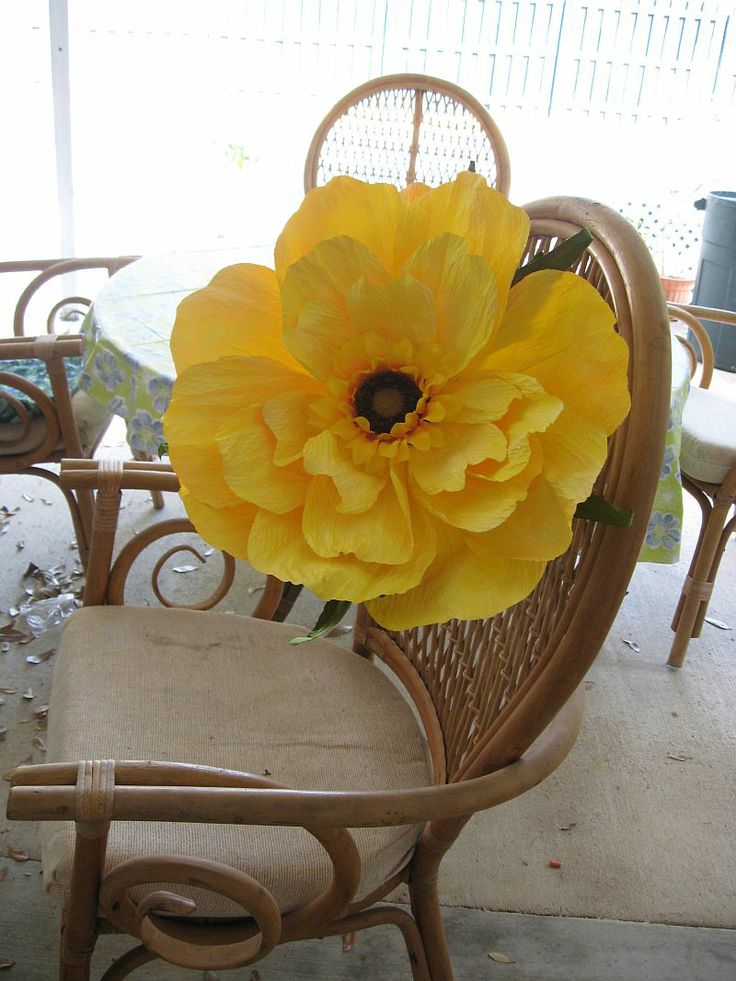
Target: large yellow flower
{"points": [[383, 417]]}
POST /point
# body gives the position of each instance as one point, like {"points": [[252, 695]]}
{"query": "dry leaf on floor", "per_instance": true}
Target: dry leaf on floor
{"points": [[185, 568], [27, 497], [40, 712], [569, 827], [28, 695], [4, 647], [39, 743], [3, 733], [16, 855], [718, 623], [501, 958], [11, 632], [680, 757], [4, 962], [40, 658], [8, 690], [633, 645]]}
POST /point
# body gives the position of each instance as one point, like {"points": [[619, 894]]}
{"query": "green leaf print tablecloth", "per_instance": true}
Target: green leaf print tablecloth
{"points": [[128, 367]]}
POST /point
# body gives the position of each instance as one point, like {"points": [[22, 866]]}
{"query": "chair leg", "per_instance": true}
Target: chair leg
{"points": [[698, 586], [425, 906], [156, 496], [80, 509]]}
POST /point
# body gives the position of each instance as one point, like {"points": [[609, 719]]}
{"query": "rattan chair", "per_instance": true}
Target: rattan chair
{"points": [[708, 467], [321, 785], [405, 128], [43, 416]]}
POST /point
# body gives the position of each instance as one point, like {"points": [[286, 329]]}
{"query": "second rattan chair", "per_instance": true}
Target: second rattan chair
{"points": [[404, 128], [708, 466]]}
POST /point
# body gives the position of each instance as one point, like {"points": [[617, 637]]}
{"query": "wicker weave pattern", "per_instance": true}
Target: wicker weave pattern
{"points": [[372, 141], [404, 128], [472, 669]]}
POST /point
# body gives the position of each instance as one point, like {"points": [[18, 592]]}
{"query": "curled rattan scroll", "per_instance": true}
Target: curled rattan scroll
{"points": [[136, 546], [141, 919], [25, 422]]}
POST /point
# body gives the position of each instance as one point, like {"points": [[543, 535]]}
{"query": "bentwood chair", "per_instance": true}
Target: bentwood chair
{"points": [[44, 416], [405, 128], [323, 781], [708, 467]]}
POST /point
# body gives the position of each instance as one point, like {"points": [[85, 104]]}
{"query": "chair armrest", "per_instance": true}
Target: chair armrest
{"points": [[106, 579], [47, 347], [150, 791]]}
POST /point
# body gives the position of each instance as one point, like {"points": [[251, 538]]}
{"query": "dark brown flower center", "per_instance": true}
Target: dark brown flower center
{"points": [[385, 399]]}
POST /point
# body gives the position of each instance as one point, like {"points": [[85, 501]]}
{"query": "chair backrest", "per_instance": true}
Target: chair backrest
{"points": [[697, 342], [497, 683], [47, 270], [405, 128]]}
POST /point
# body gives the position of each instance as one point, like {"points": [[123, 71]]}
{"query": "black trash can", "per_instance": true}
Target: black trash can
{"points": [[715, 285]]}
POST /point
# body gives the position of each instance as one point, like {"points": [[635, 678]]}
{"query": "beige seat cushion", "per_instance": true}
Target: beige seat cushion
{"points": [[229, 691], [91, 417], [708, 436]]}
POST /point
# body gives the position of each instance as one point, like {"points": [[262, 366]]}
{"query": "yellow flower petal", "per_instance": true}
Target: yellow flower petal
{"points": [[465, 297], [205, 479], [238, 313], [483, 397], [331, 532], [277, 544], [288, 416], [492, 227], [402, 308], [227, 528], [358, 490], [556, 324], [539, 528], [247, 447], [205, 394], [463, 583], [369, 213], [574, 453], [444, 468], [327, 273], [484, 503]]}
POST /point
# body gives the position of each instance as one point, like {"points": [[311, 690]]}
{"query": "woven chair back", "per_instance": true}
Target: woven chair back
{"points": [[404, 128], [497, 683]]}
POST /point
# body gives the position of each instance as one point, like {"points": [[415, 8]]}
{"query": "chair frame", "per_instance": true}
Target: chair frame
{"points": [[717, 522], [62, 436], [500, 700], [420, 84]]}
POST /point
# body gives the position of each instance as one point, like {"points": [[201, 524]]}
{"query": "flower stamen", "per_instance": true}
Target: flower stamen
{"points": [[386, 398]]}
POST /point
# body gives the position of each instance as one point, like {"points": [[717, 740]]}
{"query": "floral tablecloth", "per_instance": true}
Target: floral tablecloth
{"points": [[128, 367], [128, 364], [662, 541]]}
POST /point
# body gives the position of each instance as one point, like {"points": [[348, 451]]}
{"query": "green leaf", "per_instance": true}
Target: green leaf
{"points": [[331, 615], [598, 509], [561, 257], [163, 449]]}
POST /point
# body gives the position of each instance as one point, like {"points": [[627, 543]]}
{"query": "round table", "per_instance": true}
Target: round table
{"points": [[128, 364]]}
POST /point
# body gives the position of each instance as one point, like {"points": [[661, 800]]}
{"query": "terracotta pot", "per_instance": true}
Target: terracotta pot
{"points": [[677, 290]]}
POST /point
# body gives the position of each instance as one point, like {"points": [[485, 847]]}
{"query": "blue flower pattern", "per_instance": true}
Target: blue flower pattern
{"points": [[663, 531], [107, 370], [145, 433], [160, 391]]}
